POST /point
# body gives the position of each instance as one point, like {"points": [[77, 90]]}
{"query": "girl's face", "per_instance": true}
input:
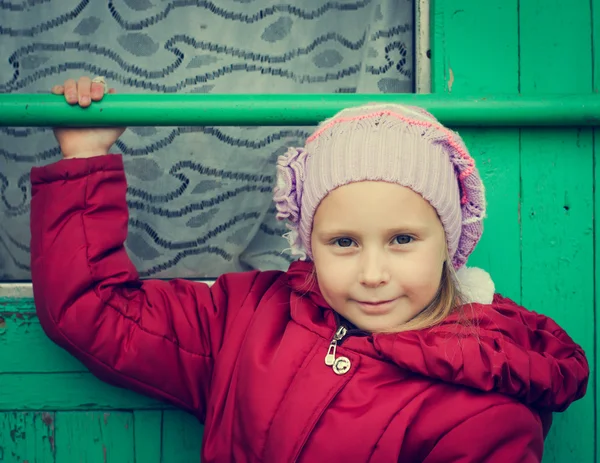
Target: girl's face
{"points": [[378, 250]]}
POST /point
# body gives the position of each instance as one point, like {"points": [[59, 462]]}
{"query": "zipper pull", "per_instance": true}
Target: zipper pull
{"points": [[338, 336]]}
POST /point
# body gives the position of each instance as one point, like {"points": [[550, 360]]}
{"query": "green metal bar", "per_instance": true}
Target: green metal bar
{"points": [[27, 110]]}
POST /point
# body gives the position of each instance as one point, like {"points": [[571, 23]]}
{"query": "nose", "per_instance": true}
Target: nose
{"points": [[374, 270]]}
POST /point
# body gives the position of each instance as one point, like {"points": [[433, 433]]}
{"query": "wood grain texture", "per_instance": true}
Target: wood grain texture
{"points": [[182, 437], [538, 241], [94, 437], [27, 437], [67, 391], [476, 50], [557, 200]]}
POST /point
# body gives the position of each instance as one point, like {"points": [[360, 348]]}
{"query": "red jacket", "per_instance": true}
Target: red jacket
{"points": [[247, 355]]}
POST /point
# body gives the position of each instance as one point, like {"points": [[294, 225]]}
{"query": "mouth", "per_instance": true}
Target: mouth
{"points": [[376, 307]]}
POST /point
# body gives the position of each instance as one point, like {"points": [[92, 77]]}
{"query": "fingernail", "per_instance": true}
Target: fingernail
{"points": [[85, 99]]}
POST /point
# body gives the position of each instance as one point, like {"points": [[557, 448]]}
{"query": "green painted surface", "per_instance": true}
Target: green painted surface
{"points": [[132, 110], [539, 244], [557, 199], [66, 391], [461, 66], [94, 437], [21, 332], [539, 237], [27, 437], [147, 436], [595, 7], [182, 436], [557, 266]]}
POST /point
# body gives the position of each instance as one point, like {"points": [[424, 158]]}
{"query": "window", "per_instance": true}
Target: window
{"points": [[178, 210]]}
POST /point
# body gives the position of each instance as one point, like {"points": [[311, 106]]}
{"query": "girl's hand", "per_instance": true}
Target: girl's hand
{"points": [[84, 142]]}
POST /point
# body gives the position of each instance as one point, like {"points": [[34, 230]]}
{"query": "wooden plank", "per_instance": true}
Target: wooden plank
{"points": [[595, 7], [496, 153], [27, 437], [12, 305], [67, 391], [474, 46], [147, 436], [557, 196], [94, 437], [475, 50], [181, 437], [25, 348]]}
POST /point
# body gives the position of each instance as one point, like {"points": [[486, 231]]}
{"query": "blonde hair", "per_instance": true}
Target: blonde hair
{"points": [[447, 301]]}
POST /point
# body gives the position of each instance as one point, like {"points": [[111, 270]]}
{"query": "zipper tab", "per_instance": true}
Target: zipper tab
{"points": [[338, 336]]}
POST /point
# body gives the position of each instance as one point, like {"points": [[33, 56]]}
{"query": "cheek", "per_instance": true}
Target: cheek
{"points": [[422, 276], [332, 278]]}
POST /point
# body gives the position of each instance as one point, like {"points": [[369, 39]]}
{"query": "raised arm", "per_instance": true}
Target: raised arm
{"points": [[156, 337]]}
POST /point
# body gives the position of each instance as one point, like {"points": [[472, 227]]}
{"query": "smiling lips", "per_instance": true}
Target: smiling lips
{"points": [[376, 307]]}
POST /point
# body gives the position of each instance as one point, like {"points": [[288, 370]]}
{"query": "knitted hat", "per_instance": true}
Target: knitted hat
{"points": [[386, 142]]}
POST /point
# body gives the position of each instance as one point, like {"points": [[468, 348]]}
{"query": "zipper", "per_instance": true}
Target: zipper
{"points": [[337, 337], [340, 365]]}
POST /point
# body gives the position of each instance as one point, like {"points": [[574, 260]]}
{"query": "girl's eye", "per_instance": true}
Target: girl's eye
{"points": [[403, 239], [343, 242]]}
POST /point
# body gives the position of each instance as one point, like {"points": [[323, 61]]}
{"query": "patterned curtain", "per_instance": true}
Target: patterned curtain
{"points": [[199, 197]]}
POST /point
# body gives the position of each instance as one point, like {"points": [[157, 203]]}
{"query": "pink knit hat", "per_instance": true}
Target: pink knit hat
{"points": [[387, 142]]}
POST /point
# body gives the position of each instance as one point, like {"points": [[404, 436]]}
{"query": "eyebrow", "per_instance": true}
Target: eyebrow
{"points": [[407, 228]]}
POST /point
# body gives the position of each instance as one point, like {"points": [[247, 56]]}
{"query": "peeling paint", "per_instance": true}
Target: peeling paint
{"points": [[450, 80], [15, 315], [16, 433], [48, 420]]}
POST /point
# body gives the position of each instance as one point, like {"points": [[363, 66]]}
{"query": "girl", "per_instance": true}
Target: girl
{"points": [[372, 348]]}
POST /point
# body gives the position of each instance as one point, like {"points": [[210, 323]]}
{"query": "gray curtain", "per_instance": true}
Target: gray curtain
{"points": [[199, 197]]}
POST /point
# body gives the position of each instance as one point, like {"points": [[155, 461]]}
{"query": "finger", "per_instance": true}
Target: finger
{"points": [[84, 88], [97, 91], [112, 91], [58, 90], [71, 91]]}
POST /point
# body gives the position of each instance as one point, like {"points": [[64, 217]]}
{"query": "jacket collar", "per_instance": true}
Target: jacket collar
{"points": [[499, 347]]}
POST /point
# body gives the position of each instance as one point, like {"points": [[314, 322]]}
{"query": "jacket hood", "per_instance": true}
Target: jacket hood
{"points": [[499, 347]]}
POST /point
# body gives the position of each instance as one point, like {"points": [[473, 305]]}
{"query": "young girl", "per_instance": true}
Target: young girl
{"points": [[372, 348]]}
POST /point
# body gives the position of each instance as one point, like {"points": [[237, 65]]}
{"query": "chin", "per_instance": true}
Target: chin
{"points": [[378, 324]]}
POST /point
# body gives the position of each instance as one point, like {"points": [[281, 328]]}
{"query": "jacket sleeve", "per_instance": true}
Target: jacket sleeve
{"points": [[499, 434], [156, 337]]}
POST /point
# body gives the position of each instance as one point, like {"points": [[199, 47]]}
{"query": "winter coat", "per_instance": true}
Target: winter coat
{"points": [[247, 354]]}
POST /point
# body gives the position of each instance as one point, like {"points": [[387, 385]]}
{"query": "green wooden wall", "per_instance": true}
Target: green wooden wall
{"points": [[539, 241], [53, 411], [539, 244]]}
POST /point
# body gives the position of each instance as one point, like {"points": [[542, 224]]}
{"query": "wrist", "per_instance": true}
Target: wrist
{"points": [[84, 154]]}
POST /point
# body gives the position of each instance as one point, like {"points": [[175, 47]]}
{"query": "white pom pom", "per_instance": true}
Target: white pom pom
{"points": [[476, 285]]}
